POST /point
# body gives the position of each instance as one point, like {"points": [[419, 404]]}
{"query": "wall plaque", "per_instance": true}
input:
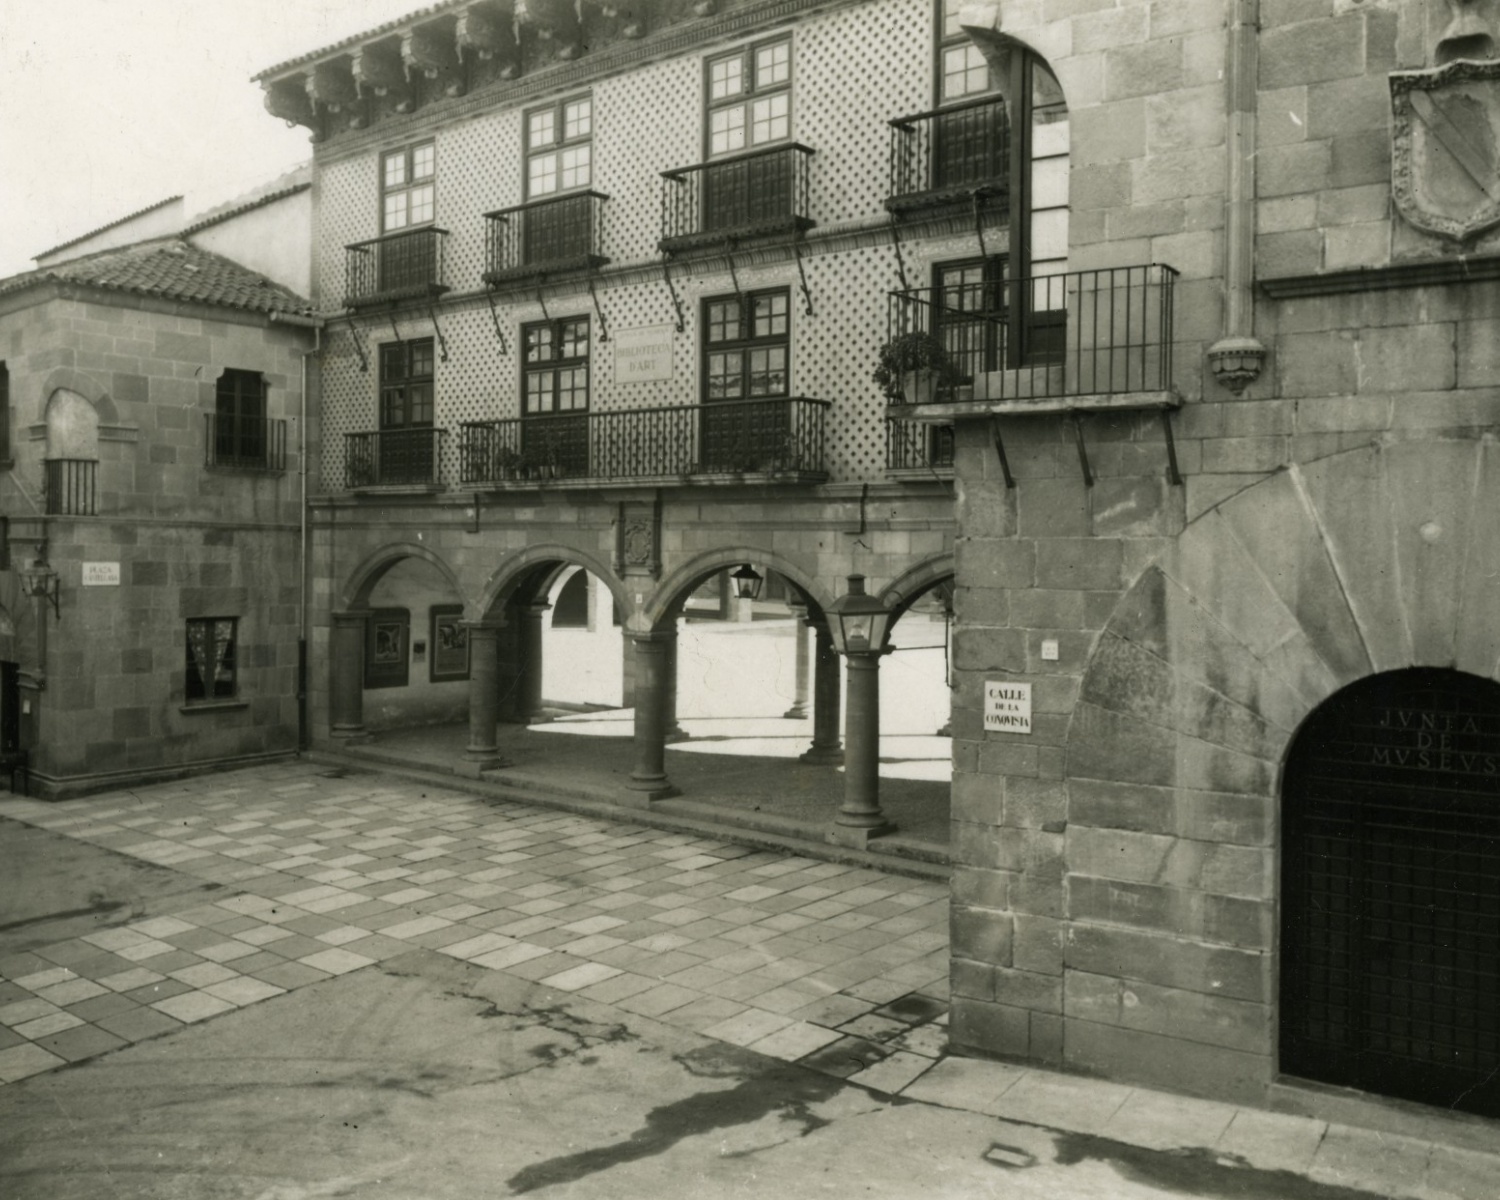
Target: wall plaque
{"points": [[643, 354], [101, 574], [1007, 707]]}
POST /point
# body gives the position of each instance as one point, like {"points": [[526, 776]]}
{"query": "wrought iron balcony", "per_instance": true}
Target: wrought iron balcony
{"points": [[917, 446], [1053, 338], [561, 233], [760, 194], [244, 443], [945, 156], [70, 486], [783, 437], [399, 266], [394, 458]]}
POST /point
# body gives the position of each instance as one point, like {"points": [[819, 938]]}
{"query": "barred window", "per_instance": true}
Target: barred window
{"points": [[212, 645]]}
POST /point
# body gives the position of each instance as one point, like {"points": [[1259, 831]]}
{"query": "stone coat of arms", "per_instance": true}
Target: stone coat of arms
{"points": [[1445, 165]]}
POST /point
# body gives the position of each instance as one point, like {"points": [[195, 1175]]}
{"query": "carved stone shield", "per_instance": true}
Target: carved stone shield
{"points": [[1445, 163]]}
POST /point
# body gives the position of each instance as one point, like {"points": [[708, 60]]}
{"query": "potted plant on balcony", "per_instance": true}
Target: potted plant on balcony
{"points": [[505, 463], [913, 366], [540, 462]]}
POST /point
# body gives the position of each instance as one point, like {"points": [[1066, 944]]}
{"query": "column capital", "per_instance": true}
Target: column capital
{"points": [[483, 625]]}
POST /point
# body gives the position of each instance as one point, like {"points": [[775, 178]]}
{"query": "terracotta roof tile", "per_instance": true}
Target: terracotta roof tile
{"points": [[172, 270]]}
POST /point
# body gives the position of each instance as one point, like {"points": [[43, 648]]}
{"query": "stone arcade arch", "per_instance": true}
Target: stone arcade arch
{"points": [[1153, 855], [347, 641], [655, 639], [1390, 890]]}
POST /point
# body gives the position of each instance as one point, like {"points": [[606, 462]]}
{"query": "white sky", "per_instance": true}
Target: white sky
{"points": [[108, 106]]}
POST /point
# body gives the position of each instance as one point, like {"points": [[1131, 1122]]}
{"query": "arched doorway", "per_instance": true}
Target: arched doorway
{"points": [[1390, 925]]}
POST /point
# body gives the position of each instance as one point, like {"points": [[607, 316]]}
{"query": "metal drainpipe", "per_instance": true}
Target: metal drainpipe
{"points": [[316, 325]]}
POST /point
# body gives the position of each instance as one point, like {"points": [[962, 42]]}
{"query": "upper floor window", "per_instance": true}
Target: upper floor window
{"points": [[963, 69], [748, 340], [559, 147], [556, 366], [239, 425], [750, 97], [408, 187]]}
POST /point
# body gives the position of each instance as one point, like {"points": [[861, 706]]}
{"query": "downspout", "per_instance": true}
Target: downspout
{"points": [[316, 325], [1236, 359]]}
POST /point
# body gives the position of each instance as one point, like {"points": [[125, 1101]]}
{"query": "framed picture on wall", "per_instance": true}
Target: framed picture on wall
{"points": [[387, 638], [450, 644]]}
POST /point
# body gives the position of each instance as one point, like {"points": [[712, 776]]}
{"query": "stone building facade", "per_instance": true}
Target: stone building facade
{"points": [[565, 344], [1250, 836], [151, 500], [1214, 290]]}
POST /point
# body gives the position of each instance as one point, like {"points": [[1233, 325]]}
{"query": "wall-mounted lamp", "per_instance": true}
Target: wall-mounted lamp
{"points": [[39, 579], [859, 622], [747, 582]]}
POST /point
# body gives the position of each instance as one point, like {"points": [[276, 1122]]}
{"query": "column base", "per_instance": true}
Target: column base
{"points": [[350, 735], [823, 756], [856, 837], [639, 793], [945, 731], [676, 734], [474, 768], [538, 719], [798, 712]]}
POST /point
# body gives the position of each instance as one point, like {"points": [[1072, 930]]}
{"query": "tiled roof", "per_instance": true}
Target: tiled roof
{"points": [[355, 39], [172, 270], [83, 237]]}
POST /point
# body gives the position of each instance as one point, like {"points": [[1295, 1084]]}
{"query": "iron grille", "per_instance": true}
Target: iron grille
{"points": [[761, 193], [394, 457], [1108, 330], [395, 267], [549, 235], [1391, 891], [247, 443], [782, 435], [945, 156], [918, 446], [71, 486]]}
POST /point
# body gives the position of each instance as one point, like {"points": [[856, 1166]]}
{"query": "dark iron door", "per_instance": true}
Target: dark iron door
{"points": [[1390, 954]]}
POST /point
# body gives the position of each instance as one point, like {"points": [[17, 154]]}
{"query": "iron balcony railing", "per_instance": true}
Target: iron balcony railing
{"points": [[395, 267], [249, 443], [782, 435], [394, 458], [948, 154], [759, 194], [1075, 334], [918, 446], [557, 234], [71, 486]]}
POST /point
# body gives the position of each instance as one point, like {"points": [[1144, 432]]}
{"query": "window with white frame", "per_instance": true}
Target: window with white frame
{"points": [[408, 187], [962, 68], [750, 97], [559, 147]]}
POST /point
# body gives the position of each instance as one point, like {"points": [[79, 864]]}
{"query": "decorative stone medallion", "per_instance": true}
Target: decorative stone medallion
{"points": [[637, 544], [1445, 163]]}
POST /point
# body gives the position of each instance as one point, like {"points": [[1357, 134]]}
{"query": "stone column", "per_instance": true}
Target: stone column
{"points": [[531, 669], [859, 817], [671, 730], [826, 692], [483, 751], [649, 779], [799, 688], [346, 691]]}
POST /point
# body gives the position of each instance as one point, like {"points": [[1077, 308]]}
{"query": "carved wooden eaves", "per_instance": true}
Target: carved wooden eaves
{"points": [[432, 50], [378, 69]]}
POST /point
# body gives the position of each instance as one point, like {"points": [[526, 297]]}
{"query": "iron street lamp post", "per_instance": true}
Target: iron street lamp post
{"points": [[858, 624]]}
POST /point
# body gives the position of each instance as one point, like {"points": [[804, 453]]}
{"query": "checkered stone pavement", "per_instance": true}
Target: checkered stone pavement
{"points": [[842, 968]]}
